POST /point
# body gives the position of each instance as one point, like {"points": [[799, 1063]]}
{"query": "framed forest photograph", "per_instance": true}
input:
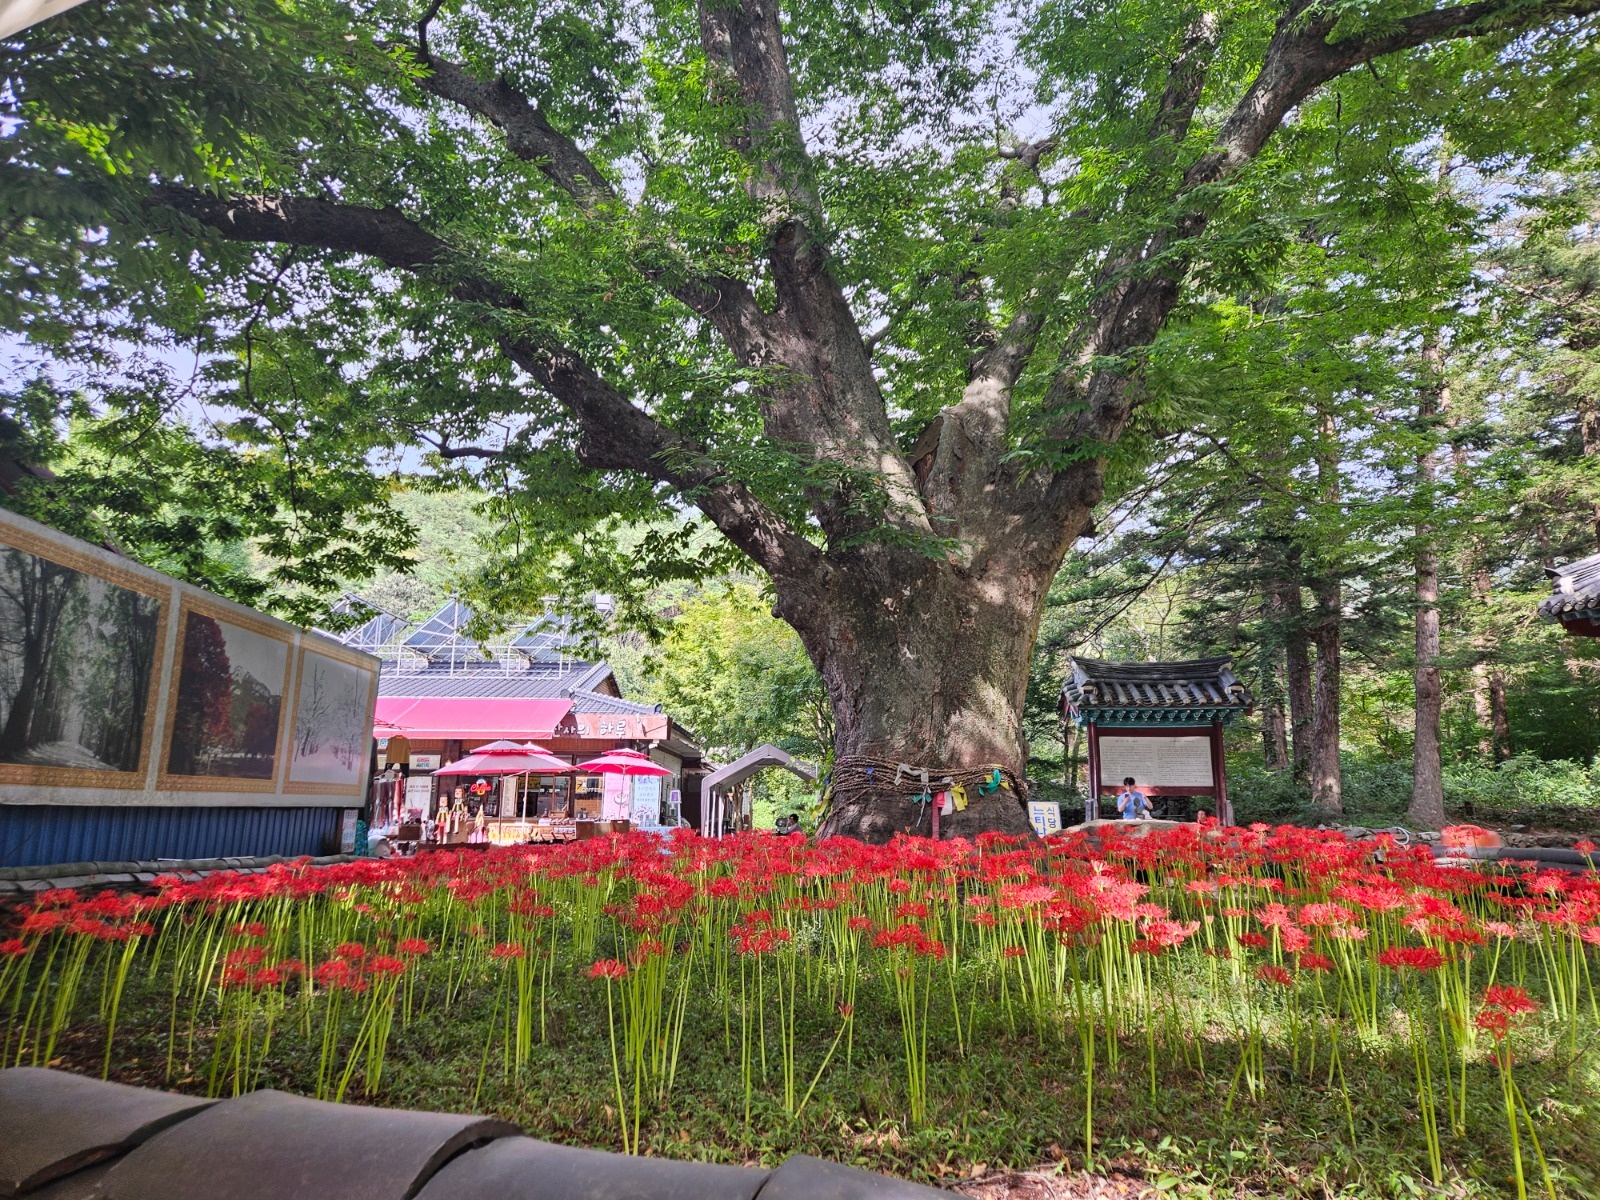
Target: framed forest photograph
{"points": [[227, 703], [332, 724], [80, 648]]}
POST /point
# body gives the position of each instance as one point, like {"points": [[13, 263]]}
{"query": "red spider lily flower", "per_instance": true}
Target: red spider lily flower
{"points": [[724, 888], [1200, 887], [13, 948], [245, 956], [1500, 929], [1583, 846], [350, 951], [846, 1010], [607, 968], [1014, 951], [59, 898], [1309, 960], [986, 919], [266, 977], [647, 948], [235, 976], [506, 950], [290, 966], [1275, 915], [1326, 913], [1255, 941], [335, 973], [860, 924], [1509, 999], [1418, 958], [1026, 896], [1166, 932], [1294, 939], [979, 900], [911, 908], [43, 922], [413, 947], [252, 929], [386, 964], [1590, 934], [1272, 973], [1494, 1021], [1236, 912]]}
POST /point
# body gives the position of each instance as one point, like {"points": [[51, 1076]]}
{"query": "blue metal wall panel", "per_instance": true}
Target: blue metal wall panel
{"points": [[33, 835]]}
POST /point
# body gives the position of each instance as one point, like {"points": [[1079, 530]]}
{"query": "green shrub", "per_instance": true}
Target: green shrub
{"points": [[1524, 791]]}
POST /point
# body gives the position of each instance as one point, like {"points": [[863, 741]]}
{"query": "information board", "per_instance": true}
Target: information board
{"points": [[647, 801], [419, 793], [1169, 762]]}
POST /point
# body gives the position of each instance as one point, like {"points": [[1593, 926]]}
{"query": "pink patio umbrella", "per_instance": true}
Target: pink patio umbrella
{"points": [[623, 762], [507, 758]]}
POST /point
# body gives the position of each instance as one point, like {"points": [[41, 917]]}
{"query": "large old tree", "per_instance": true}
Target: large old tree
{"points": [[874, 288]]}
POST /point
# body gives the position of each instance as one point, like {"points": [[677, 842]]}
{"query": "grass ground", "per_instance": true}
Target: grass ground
{"points": [[1008, 1103]]}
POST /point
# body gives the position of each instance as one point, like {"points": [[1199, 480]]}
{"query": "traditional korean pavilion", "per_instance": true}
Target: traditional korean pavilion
{"points": [[1574, 599], [1160, 722]]}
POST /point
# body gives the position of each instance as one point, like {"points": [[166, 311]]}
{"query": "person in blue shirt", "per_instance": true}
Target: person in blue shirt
{"points": [[1132, 804]]}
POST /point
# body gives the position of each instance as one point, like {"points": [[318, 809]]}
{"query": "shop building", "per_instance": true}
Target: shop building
{"points": [[442, 695]]}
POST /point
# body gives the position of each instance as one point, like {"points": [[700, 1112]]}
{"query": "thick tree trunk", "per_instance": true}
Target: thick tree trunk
{"points": [[1274, 737], [1297, 677], [1499, 720], [1426, 809], [1327, 632], [926, 664], [1589, 429], [1286, 613], [1327, 782]]}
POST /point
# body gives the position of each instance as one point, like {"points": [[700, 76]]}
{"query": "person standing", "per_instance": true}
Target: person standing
{"points": [[1132, 804]]}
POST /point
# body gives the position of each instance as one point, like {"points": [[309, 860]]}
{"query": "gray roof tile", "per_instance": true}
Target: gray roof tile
{"points": [[1574, 588], [1193, 683]]}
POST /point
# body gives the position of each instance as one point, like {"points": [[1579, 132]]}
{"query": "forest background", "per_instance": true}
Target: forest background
{"points": [[1373, 425]]}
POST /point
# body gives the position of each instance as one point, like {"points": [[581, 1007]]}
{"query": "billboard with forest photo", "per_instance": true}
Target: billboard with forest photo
{"points": [[77, 656], [228, 701], [332, 724]]}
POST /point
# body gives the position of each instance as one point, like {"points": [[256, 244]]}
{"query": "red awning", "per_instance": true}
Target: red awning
{"points": [[467, 717]]}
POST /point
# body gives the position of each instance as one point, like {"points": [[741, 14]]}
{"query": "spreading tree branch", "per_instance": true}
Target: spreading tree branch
{"points": [[614, 434], [727, 303], [1299, 58]]}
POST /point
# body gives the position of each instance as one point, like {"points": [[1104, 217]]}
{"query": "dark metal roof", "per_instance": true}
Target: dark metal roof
{"points": [[1096, 683], [1574, 589], [597, 702], [483, 684]]}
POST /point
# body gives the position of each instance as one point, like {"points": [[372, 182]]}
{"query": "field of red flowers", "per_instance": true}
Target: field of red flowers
{"points": [[1222, 1009]]}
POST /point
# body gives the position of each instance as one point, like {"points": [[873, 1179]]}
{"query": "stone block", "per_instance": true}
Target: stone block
{"points": [[53, 1123], [805, 1178], [272, 1146], [525, 1169]]}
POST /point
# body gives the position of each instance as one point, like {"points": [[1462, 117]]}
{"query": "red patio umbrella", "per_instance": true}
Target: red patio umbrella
{"points": [[623, 762]]}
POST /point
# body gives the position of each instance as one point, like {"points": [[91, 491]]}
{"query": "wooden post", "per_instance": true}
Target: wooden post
{"points": [[1219, 775], [1091, 805]]}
